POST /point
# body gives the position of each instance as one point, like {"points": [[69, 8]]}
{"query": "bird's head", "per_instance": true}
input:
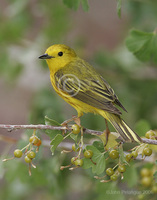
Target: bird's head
{"points": [[58, 55]]}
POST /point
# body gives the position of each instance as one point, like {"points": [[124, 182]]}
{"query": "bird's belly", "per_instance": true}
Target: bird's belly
{"points": [[80, 106]]}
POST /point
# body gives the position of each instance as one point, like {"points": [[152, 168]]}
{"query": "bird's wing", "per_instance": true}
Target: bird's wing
{"points": [[87, 86]]}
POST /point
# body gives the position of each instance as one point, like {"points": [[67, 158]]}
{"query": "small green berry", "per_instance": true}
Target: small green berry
{"points": [[114, 154], [109, 171], [73, 159], [27, 159], [114, 177], [146, 181], [18, 153], [121, 168], [145, 172], [128, 157], [88, 154], [79, 162], [74, 148], [31, 154], [34, 139], [147, 151], [75, 129], [134, 154], [150, 134], [154, 189], [140, 197]]}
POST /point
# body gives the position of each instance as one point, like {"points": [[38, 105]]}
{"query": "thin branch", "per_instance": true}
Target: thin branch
{"points": [[45, 127], [48, 127], [39, 126]]}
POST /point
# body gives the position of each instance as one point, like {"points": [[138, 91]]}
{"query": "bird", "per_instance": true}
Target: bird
{"points": [[80, 85]]}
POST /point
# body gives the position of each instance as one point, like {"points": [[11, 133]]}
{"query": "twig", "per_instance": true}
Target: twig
{"points": [[39, 126], [48, 127], [45, 127]]}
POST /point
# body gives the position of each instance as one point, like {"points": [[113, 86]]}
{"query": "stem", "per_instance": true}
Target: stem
{"points": [[67, 135], [81, 146], [26, 146], [45, 127]]}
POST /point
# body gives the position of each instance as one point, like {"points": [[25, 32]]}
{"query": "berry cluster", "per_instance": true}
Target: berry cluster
{"points": [[78, 148], [147, 179], [29, 151], [121, 159], [117, 170], [120, 168], [151, 135], [79, 162], [114, 174], [142, 149]]}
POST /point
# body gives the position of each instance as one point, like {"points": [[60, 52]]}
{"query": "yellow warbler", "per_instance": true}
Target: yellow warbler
{"points": [[82, 87]]}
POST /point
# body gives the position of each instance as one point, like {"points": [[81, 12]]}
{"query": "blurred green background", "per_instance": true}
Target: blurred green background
{"points": [[27, 28]]}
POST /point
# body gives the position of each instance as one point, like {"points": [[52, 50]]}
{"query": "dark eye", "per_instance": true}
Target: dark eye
{"points": [[60, 53]]}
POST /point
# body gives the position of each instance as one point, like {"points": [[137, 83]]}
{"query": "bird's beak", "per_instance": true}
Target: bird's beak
{"points": [[45, 56]]}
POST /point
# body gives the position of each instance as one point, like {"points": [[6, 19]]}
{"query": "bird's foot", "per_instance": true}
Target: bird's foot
{"points": [[69, 120]]}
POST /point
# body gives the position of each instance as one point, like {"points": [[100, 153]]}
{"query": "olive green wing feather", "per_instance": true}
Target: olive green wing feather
{"points": [[85, 84]]}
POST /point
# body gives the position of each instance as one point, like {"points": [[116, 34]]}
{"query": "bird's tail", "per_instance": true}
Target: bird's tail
{"points": [[122, 128]]}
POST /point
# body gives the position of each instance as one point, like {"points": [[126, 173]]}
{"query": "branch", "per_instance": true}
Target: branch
{"points": [[45, 127], [39, 126]]}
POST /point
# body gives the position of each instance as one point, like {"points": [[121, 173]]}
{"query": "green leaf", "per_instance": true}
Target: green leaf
{"points": [[119, 6], [131, 176], [97, 158], [143, 45], [51, 122], [155, 176], [121, 153], [74, 137], [87, 163], [99, 145], [142, 126], [73, 4], [55, 142], [85, 5]]}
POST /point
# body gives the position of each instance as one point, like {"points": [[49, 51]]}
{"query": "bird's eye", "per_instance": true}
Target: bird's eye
{"points": [[60, 53]]}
